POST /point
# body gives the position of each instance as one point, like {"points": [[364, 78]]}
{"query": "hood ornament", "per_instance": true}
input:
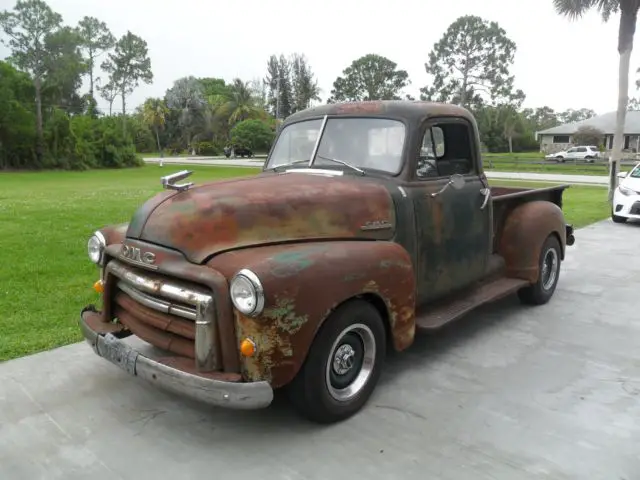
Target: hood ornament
{"points": [[169, 181]]}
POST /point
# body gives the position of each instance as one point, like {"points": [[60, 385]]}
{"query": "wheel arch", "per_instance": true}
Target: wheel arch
{"points": [[523, 233], [305, 283]]}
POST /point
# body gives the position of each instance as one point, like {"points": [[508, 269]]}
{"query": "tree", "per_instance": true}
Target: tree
{"points": [[278, 83], [17, 121], [253, 134], [572, 116], [371, 77], [470, 63], [541, 118], [154, 114], [95, 40], [109, 92], [628, 9], [305, 86], [64, 66], [28, 26], [186, 96], [587, 135], [127, 66], [241, 104]]}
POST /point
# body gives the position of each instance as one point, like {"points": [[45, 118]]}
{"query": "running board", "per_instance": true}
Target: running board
{"points": [[440, 313]]}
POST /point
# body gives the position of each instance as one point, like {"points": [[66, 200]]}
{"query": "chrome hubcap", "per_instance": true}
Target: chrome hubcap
{"points": [[343, 359], [351, 362], [549, 268]]}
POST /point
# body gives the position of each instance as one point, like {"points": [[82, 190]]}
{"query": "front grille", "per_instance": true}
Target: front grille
{"points": [[170, 314]]}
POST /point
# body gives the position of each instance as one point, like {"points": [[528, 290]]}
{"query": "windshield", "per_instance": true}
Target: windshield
{"points": [[635, 173], [373, 143]]}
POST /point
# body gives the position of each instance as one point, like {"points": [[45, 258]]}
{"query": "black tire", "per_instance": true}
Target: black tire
{"points": [[588, 159], [310, 392], [560, 159], [541, 292], [616, 218]]}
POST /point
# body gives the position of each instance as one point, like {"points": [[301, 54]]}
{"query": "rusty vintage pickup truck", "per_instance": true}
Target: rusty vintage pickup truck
{"points": [[369, 223]]}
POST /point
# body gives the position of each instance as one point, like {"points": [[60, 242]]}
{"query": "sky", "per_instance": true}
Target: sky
{"points": [[559, 63]]}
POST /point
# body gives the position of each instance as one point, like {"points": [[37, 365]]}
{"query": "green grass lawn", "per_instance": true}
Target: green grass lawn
{"points": [[46, 218]]}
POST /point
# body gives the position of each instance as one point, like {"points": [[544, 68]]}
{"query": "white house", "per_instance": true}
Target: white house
{"points": [[561, 137]]}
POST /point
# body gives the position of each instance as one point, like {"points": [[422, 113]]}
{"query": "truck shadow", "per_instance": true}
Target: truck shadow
{"points": [[280, 416]]}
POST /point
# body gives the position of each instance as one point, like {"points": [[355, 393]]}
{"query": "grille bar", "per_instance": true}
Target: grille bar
{"points": [[157, 304], [158, 293]]}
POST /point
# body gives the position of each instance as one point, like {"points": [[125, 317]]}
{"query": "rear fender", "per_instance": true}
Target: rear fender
{"points": [[524, 231], [304, 283]]}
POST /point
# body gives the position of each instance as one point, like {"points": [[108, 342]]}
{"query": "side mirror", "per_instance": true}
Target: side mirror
{"points": [[622, 175]]}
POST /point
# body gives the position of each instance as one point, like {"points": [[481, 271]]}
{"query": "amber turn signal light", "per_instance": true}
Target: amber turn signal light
{"points": [[247, 347], [98, 286]]}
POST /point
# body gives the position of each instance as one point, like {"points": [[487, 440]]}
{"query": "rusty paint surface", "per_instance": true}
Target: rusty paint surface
{"points": [[524, 231], [266, 209], [115, 233], [453, 237], [303, 283]]}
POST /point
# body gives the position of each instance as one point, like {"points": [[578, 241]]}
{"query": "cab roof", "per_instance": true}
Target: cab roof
{"points": [[408, 110]]}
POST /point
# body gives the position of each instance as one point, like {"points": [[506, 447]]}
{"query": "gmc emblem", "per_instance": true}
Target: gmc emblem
{"points": [[135, 255]]}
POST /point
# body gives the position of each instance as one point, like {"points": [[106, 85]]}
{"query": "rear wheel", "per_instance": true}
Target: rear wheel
{"points": [[549, 267], [343, 365]]}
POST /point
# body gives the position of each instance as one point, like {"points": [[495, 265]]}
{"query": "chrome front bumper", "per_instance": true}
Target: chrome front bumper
{"points": [[219, 393]]}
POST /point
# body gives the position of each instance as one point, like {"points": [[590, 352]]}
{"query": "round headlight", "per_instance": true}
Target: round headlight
{"points": [[246, 293], [95, 247]]}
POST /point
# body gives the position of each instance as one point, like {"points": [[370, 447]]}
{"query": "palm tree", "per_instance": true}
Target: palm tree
{"points": [[154, 114], [240, 104], [628, 16]]}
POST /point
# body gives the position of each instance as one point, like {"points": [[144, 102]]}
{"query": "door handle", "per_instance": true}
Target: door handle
{"points": [[487, 193]]}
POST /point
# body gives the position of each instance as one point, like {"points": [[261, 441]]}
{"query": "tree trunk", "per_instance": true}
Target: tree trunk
{"points": [[39, 131], [158, 142], [124, 113], [510, 144], [625, 47]]}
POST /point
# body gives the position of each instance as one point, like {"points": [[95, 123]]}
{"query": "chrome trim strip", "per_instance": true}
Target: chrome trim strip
{"points": [[205, 335], [316, 171], [156, 303], [157, 286]]}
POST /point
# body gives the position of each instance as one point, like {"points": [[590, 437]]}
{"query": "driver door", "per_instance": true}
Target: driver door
{"points": [[453, 226]]}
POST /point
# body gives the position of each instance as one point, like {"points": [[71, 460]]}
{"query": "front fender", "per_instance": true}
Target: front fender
{"points": [[303, 283], [114, 233], [523, 233]]}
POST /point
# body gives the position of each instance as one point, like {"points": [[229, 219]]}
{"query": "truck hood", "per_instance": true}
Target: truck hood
{"points": [[265, 209]]}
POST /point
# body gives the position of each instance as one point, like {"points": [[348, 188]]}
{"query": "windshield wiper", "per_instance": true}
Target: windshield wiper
{"points": [[288, 164], [341, 162]]}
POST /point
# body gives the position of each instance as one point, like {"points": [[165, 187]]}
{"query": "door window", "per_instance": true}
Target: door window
{"points": [[445, 150]]}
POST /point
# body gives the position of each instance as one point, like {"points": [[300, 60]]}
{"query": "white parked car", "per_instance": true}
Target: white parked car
{"points": [[626, 197], [587, 153]]}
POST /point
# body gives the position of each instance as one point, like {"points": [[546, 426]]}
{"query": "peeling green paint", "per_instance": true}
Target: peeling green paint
{"points": [[285, 316]]}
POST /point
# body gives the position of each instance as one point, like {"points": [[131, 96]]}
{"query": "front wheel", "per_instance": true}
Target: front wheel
{"points": [[549, 272], [343, 365]]}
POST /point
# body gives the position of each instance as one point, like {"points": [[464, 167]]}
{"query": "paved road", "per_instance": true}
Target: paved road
{"points": [[542, 177], [508, 393]]}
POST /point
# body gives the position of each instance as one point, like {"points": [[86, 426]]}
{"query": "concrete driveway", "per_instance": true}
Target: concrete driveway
{"points": [[507, 393]]}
